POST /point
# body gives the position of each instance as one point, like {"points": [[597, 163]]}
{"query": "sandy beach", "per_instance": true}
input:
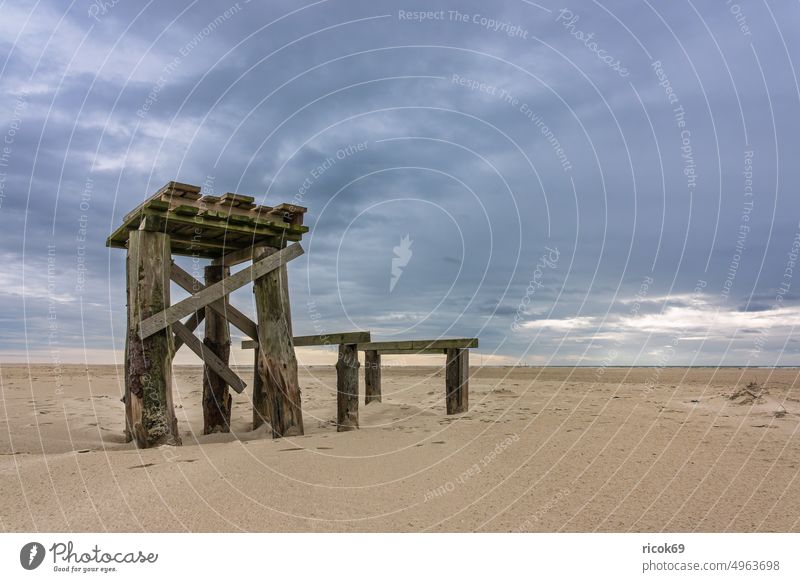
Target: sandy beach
{"points": [[541, 449]]}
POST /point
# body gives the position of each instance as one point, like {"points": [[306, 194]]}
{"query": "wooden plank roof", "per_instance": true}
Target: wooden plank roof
{"points": [[212, 226]]}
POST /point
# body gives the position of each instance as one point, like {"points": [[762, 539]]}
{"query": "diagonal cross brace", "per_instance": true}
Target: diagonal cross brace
{"points": [[218, 290], [209, 357], [191, 324], [224, 309]]}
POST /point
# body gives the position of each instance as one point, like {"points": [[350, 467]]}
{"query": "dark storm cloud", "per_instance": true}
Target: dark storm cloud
{"points": [[486, 134]]}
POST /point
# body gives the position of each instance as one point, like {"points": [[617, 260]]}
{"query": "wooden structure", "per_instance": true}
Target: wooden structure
{"points": [[347, 366], [229, 230], [456, 369]]}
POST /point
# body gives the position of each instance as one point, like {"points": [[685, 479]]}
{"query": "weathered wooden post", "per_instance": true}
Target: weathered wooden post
{"points": [[347, 388], [149, 412], [277, 365], [216, 397], [457, 380], [372, 376]]}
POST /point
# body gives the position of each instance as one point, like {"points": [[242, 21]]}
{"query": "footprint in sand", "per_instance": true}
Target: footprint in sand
{"points": [[503, 392]]}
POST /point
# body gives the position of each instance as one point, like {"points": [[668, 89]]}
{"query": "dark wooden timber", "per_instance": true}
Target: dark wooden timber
{"points": [[277, 364], [149, 413], [457, 380], [412, 345], [438, 351], [347, 388], [332, 339], [216, 397], [372, 376], [259, 395]]}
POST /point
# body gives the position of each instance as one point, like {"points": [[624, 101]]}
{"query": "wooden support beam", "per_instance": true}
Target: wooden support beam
{"points": [[197, 246], [332, 339], [149, 413], [277, 364], [347, 388], [216, 397], [411, 345], [221, 307], [191, 324], [216, 291], [320, 340], [372, 376], [260, 410], [457, 380], [213, 228], [220, 367], [435, 351], [236, 257]]}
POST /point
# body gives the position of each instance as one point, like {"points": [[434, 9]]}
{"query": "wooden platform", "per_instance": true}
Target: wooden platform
{"points": [[456, 368], [212, 226]]}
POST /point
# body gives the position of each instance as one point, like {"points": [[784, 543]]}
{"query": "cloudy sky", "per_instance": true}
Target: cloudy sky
{"points": [[593, 183]]}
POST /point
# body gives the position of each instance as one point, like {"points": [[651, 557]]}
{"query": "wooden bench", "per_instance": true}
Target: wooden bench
{"points": [[350, 343], [456, 368]]}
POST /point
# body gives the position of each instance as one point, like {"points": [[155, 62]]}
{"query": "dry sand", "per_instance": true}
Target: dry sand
{"points": [[551, 449]]}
